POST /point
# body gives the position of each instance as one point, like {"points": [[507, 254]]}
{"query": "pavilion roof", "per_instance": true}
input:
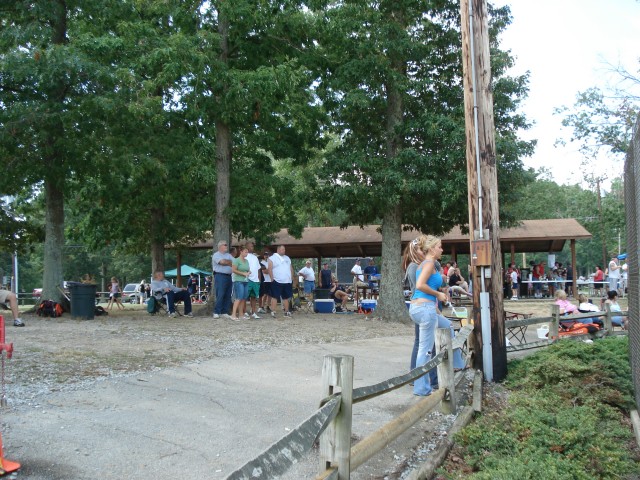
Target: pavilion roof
{"points": [[547, 235]]}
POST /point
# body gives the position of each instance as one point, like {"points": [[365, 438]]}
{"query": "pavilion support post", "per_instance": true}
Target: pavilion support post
{"points": [[513, 253], [574, 285], [454, 255]]}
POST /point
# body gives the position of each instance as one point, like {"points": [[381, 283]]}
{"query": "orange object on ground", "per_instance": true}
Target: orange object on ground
{"points": [[6, 466]]}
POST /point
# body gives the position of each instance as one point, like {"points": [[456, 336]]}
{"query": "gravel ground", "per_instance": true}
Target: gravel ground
{"points": [[54, 354], [66, 355]]}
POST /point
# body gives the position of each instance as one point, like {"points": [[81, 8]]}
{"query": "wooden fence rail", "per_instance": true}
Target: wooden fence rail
{"points": [[331, 424]]}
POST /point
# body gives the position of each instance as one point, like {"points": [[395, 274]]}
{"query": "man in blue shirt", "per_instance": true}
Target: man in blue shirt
{"points": [[221, 263], [370, 271]]}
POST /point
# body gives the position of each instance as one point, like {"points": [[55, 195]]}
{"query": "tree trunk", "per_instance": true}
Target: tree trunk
{"points": [[54, 185], [222, 225], [157, 240], [54, 240], [391, 305]]}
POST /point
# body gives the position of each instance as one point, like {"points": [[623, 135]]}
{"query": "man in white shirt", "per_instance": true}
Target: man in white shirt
{"points": [[614, 273], [281, 273], [358, 275], [309, 278], [253, 280]]}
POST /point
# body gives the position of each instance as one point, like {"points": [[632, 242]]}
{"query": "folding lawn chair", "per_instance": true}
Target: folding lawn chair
{"points": [[157, 304]]}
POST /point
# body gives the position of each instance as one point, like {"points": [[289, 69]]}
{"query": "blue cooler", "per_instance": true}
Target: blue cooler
{"points": [[323, 305], [368, 304]]}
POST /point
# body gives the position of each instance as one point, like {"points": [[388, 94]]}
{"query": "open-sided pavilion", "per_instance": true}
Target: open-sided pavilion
{"points": [[531, 236]]}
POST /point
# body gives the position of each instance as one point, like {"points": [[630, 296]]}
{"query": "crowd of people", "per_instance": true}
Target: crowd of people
{"points": [[544, 282], [258, 284]]}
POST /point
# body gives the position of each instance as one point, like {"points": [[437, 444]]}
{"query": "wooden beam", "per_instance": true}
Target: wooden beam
{"points": [[574, 286], [482, 179]]}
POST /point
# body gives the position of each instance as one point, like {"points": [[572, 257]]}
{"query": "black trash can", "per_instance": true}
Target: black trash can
{"points": [[321, 294], [83, 300]]}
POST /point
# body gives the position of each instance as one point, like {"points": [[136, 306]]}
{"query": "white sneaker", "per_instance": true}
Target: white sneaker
{"points": [[246, 315], [255, 316], [226, 315], [287, 314], [190, 315], [261, 310], [273, 314], [215, 315], [173, 315]]}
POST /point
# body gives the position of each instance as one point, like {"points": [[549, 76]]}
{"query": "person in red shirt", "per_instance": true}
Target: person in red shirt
{"points": [[538, 273], [598, 280]]}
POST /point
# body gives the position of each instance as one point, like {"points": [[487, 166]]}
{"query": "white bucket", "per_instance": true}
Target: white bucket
{"points": [[543, 331]]}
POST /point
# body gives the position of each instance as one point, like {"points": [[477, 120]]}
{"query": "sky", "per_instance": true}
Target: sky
{"points": [[566, 46]]}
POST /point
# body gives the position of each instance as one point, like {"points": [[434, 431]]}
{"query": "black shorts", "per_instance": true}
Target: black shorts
{"points": [[281, 290], [265, 288]]}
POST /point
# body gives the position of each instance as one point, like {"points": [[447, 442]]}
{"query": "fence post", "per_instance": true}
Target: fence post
{"points": [[608, 326], [445, 370], [555, 325], [335, 442]]}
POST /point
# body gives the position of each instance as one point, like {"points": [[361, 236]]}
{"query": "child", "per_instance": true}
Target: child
{"points": [[114, 294], [565, 305], [514, 284]]}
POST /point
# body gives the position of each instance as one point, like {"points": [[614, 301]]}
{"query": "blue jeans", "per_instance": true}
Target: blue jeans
{"points": [[424, 315], [181, 295], [223, 287], [458, 361], [241, 290]]}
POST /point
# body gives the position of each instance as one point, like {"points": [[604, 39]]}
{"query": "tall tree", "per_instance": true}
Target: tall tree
{"points": [[249, 97], [50, 90], [392, 81], [149, 175]]}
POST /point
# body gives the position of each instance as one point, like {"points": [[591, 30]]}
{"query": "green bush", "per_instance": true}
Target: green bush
{"points": [[565, 417]]}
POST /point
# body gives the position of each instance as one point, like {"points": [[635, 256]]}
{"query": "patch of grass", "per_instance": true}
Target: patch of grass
{"points": [[566, 417]]}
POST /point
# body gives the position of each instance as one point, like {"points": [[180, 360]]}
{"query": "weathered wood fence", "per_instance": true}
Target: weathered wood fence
{"points": [[516, 328], [331, 423]]}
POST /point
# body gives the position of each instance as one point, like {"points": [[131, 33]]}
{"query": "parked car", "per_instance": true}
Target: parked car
{"points": [[37, 293], [130, 293]]}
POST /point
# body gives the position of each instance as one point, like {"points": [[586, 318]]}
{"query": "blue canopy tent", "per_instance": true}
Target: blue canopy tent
{"points": [[622, 256], [185, 271]]}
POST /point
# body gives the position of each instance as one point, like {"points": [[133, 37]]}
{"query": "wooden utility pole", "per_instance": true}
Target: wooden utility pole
{"points": [[482, 182]]}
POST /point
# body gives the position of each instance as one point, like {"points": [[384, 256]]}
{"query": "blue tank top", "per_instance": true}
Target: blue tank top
{"points": [[434, 281]]}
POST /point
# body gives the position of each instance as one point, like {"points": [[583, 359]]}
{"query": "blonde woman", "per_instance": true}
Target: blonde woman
{"points": [[565, 305], [412, 257], [423, 308]]}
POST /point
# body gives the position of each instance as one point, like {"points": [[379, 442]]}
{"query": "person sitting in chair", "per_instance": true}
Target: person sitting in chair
{"points": [[457, 284], [338, 294], [9, 297], [173, 294]]}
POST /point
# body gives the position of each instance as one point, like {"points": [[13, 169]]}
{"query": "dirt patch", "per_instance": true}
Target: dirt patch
{"points": [[51, 354]]}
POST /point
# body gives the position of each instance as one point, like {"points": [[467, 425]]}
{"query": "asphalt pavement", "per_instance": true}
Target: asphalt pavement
{"points": [[198, 421]]}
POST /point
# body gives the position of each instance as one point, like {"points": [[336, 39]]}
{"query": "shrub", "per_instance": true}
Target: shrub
{"points": [[565, 417]]}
